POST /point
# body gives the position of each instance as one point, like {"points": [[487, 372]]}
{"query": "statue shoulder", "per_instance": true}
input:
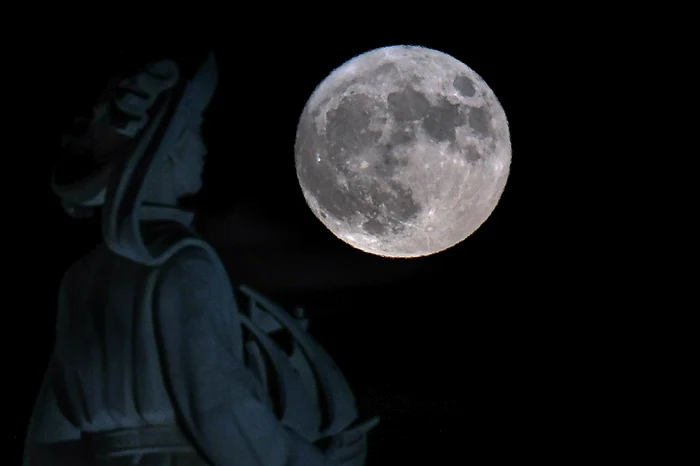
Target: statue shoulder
{"points": [[192, 266], [88, 265]]}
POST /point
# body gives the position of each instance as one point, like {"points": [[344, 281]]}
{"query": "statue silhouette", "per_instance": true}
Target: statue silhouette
{"points": [[157, 360]]}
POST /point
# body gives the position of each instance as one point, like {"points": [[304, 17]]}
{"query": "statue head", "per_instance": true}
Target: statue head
{"points": [[178, 173], [102, 143], [138, 156]]}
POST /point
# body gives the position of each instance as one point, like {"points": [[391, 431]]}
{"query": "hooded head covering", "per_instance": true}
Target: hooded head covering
{"points": [[80, 177]]}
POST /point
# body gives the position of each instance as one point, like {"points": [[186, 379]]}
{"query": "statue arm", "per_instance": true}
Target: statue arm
{"points": [[214, 393], [51, 437]]}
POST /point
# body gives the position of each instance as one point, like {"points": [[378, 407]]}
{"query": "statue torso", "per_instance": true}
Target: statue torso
{"points": [[110, 369], [110, 373]]}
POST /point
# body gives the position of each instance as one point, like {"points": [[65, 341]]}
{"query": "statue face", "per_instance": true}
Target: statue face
{"points": [[189, 163]]}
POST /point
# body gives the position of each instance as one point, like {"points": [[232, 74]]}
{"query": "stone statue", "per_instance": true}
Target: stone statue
{"points": [[157, 360]]}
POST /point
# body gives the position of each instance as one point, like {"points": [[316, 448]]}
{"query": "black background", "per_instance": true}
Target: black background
{"points": [[464, 354]]}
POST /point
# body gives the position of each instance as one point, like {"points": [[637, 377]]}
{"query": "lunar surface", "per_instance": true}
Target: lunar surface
{"points": [[402, 151]]}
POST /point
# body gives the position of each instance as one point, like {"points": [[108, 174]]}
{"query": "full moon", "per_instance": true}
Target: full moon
{"points": [[402, 151]]}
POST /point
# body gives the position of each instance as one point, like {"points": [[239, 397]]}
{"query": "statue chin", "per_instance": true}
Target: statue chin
{"points": [[189, 201]]}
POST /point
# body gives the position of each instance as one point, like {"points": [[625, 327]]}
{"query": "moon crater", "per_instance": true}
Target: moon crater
{"points": [[402, 151]]}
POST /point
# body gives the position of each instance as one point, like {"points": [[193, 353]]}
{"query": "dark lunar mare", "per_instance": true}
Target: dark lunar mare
{"points": [[479, 121], [408, 105], [346, 135], [464, 85], [442, 119], [383, 73]]}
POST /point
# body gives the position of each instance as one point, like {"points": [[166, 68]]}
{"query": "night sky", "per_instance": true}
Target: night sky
{"points": [[447, 349]]}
